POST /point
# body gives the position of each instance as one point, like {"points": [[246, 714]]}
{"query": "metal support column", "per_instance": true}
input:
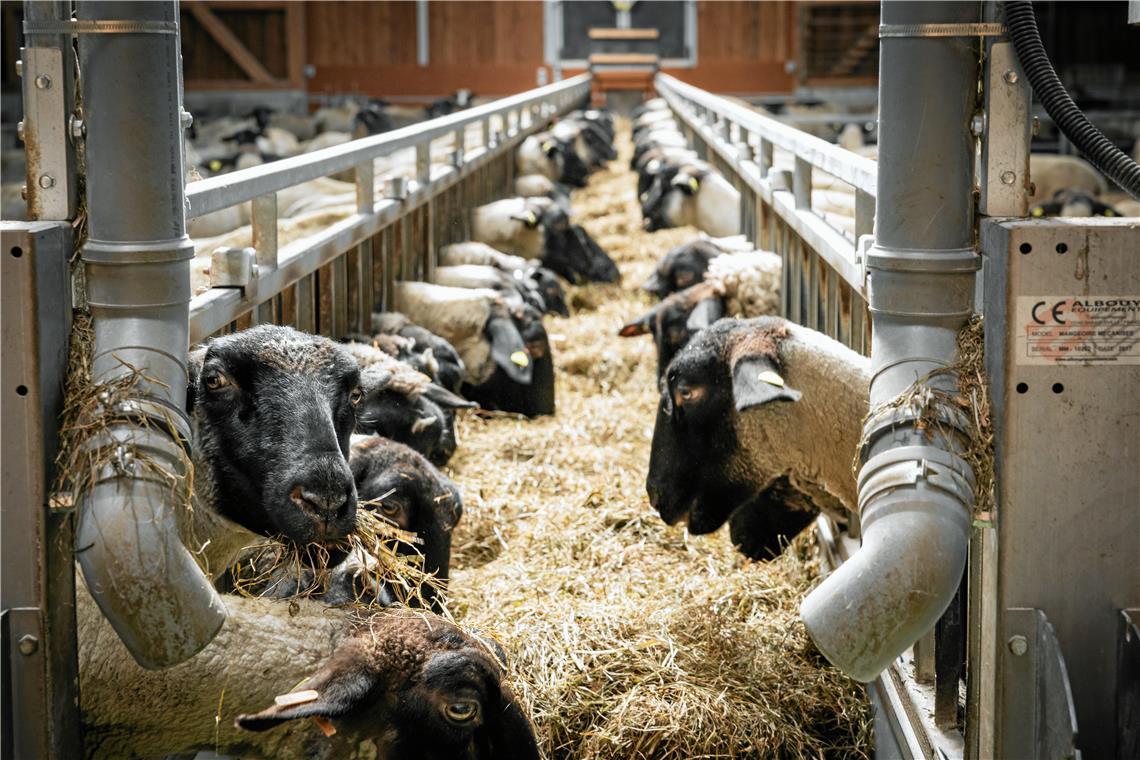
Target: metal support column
{"points": [[915, 490], [137, 258]]}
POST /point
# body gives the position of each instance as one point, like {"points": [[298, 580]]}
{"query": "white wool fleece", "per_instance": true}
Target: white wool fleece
{"points": [[493, 224], [471, 252], [458, 315], [750, 282]]}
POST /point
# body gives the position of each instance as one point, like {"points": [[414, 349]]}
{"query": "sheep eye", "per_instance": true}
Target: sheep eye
{"points": [[461, 712], [389, 508], [216, 380], [689, 394], [356, 396]]}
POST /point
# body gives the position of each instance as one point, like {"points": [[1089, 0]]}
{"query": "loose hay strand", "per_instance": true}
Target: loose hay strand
{"points": [[627, 638]]}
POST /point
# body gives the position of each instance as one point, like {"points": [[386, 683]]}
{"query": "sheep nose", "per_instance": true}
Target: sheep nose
{"points": [[654, 494], [324, 505]]}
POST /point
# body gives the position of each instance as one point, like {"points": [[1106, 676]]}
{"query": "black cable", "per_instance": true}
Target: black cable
{"points": [[1021, 22]]}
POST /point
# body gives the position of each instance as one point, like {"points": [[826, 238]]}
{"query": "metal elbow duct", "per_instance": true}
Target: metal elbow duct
{"points": [[137, 272], [915, 490]]}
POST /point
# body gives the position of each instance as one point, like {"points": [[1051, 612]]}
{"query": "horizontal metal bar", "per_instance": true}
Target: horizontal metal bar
{"points": [[225, 190], [214, 309], [844, 165], [828, 242]]}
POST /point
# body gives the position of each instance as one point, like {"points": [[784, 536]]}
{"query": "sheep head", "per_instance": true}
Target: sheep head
{"points": [[731, 369], [419, 686], [272, 411]]}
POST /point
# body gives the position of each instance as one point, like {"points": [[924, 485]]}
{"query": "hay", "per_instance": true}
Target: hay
{"points": [[628, 638]]}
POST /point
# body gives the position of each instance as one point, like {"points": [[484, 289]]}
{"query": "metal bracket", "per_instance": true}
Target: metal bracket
{"points": [[46, 134], [1004, 180], [941, 30], [104, 26]]}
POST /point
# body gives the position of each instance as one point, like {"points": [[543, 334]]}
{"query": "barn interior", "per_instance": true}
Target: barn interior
{"points": [[570, 379]]}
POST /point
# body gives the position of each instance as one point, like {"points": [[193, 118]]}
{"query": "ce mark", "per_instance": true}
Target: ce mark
{"points": [[1055, 311]]}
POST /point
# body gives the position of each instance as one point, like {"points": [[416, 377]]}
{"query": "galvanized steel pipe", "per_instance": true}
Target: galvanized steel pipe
{"points": [[137, 262], [915, 490]]}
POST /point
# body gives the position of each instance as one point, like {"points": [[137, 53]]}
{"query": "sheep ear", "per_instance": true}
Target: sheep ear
{"points": [[706, 312], [509, 351], [639, 326], [756, 381], [448, 504], [340, 687], [530, 219], [447, 399]]}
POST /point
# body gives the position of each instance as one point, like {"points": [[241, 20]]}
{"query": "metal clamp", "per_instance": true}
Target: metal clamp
{"points": [[104, 26], [941, 30]]}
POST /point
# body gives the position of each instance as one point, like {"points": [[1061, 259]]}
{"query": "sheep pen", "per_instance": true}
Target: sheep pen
{"points": [[628, 638]]}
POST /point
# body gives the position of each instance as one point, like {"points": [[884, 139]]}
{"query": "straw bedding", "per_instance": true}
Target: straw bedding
{"points": [[628, 638]]}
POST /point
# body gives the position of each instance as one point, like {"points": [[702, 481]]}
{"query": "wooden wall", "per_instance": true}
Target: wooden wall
{"points": [[489, 47], [743, 47]]}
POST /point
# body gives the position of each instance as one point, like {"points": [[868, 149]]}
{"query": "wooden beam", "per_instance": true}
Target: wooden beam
{"points": [[643, 59], [624, 34], [295, 50], [231, 44]]}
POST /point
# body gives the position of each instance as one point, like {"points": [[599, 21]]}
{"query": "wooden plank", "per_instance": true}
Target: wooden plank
{"points": [[230, 43], [640, 59], [624, 34], [296, 48]]}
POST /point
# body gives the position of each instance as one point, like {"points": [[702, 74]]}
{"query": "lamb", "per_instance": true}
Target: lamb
{"points": [[737, 285], [537, 228], [441, 693], [695, 194], [757, 422]]}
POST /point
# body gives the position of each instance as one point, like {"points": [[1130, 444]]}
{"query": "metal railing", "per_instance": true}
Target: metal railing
{"points": [[331, 281], [823, 282]]}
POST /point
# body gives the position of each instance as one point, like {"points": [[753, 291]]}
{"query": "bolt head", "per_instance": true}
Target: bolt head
{"points": [[20, 130], [1036, 126], [43, 82], [1011, 76], [47, 181], [1019, 645], [185, 118], [978, 125], [78, 129], [28, 645], [19, 67], [23, 192], [1007, 178]]}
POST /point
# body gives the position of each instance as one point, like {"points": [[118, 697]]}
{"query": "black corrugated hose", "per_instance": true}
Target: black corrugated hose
{"points": [[1022, 25]]}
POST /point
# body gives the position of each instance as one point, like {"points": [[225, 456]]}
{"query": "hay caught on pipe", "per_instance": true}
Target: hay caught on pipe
{"points": [[627, 638]]}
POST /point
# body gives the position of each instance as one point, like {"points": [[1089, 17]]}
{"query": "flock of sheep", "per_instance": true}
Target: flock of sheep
{"points": [[296, 436]]}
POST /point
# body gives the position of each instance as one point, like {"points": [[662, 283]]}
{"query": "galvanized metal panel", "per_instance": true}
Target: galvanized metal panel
{"points": [[38, 583], [1068, 461]]}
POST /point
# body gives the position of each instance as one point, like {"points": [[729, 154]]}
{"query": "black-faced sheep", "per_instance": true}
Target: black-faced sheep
{"points": [[681, 267], [404, 405], [445, 367], [546, 280], [745, 284], [403, 488], [538, 228], [502, 373], [695, 194], [555, 159], [514, 290], [403, 684], [1072, 202], [750, 406]]}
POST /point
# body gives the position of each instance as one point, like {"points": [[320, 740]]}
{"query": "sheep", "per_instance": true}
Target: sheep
{"points": [[653, 104], [656, 138], [537, 228], [472, 252], [540, 186], [437, 358], [500, 392], [692, 194], [403, 683], [546, 154], [681, 267], [405, 489], [1073, 202], [475, 321], [587, 139], [1051, 173], [654, 160], [743, 284], [750, 405], [404, 405], [514, 290]]}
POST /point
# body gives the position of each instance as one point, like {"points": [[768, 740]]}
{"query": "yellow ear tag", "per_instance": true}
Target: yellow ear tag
{"points": [[548, 145], [771, 378], [1037, 211], [531, 219], [694, 183], [215, 165], [520, 358], [1109, 212]]}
